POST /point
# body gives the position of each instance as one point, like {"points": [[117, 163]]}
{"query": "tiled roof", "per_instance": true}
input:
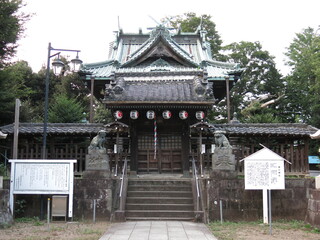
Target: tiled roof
{"points": [[158, 91], [56, 128], [241, 129], [275, 129], [189, 47], [160, 34]]}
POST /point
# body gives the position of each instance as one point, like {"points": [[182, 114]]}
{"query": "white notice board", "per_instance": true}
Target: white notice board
{"points": [[264, 174], [41, 178], [38, 176]]}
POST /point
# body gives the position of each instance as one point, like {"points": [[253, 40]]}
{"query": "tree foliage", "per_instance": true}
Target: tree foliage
{"points": [[65, 110], [11, 28], [260, 77], [190, 22], [303, 83], [14, 84]]}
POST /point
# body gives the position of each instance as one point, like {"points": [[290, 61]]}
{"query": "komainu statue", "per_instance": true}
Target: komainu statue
{"points": [[221, 140], [222, 159], [97, 158], [97, 143]]}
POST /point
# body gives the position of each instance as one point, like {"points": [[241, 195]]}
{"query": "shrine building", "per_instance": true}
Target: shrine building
{"points": [[159, 84]]}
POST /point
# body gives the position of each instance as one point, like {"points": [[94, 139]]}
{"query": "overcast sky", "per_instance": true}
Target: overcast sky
{"points": [[89, 25]]}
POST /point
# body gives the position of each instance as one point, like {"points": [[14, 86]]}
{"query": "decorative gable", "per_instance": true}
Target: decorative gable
{"points": [[159, 45]]}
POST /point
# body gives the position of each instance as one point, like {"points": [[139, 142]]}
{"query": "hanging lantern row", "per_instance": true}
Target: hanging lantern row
{"points": [[165, 114]]}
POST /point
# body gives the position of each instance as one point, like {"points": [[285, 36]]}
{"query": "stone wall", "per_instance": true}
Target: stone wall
{"points": [[313, 213], [242, 205], [88, 190], [5, 214], [238, 204], [85, 191]]}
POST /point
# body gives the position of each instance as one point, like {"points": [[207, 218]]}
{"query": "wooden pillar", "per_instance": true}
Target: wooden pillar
{"points": [[185, 139], [133, 148], [306, 154]]}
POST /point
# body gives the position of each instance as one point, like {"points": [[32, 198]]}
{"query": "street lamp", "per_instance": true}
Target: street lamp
{"points": [[57, 68]]}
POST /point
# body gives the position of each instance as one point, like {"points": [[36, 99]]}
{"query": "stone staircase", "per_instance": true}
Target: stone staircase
{"points": [[157, 199]]}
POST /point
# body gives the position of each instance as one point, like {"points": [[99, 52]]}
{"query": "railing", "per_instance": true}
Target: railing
{"points": [[195, 177], [123, 177]]}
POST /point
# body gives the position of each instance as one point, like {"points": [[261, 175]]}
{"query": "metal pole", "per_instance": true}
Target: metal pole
{"points": [[48, 213], [94, 210], [221, 213], [46, 99], [228, 98], [16, 129]]}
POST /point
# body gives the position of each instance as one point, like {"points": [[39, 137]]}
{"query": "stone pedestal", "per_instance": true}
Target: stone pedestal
{"points": [[223, 159], [223, 164], [97, 164]]}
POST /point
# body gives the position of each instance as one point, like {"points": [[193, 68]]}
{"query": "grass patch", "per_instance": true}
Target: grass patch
{"points": [[228, 230], [91, 231], [34, 220]]}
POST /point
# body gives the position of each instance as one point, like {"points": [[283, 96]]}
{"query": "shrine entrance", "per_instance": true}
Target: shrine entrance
{"points": [[159, 147], [166, 157]]}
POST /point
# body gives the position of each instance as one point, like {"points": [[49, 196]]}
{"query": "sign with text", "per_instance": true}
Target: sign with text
{"points": [[264, 174], [40, 176], [264, 170]]}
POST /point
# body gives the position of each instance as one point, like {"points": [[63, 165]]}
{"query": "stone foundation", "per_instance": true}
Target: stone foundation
{"points": [[313, 212], [246, 205], [5, 214]]}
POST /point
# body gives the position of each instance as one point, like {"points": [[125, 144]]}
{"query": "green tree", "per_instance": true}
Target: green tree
{"points": [[14, 84], [65, 110], [303, 83], [190, 22], [102, 114], [11, 28], [260, 78]]}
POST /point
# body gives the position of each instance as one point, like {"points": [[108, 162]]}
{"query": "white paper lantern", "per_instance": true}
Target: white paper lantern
{"points": [[150, 114], [166, 114], [118, 114], [134, 114], [183, 114], [200, 115]]}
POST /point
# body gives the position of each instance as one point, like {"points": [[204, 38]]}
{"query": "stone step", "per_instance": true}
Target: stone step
{"points": [[159, 218], [159, 188], [160, 200], [173, 182], [165, 206], [159, 213], [181, 194]]}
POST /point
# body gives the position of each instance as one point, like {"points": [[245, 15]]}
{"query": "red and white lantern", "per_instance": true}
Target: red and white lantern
{"points": [[118, 114], [134, 114], [150, 114], [183, 115], [166, 114], [200, 115]]}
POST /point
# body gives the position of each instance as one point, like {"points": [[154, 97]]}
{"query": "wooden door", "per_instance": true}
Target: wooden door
{"points": [[166, 158]]}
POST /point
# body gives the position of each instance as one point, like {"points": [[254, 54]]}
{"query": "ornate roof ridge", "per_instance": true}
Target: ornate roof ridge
{"points": [[158, 33], [147, 70], [222, 64], [99, 64]]}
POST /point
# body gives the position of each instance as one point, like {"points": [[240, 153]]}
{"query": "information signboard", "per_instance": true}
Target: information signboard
{"points": [[264, 170], [264, 174], [37, 176]]}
